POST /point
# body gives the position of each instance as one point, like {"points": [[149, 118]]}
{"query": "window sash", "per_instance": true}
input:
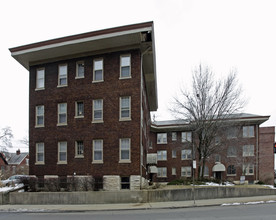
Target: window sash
{"points": [[62, 73], [186, 154], [97, 150], [248, 150], [162, 172], [40, 115], [231, 170], [125, 103], [80, 69], [62, 151], [248, 131], [98, 110], [162, 138], [174, 136], [162, 155], [125, 149], [79, 148], [186, 136], [62, 113], [40, 153], [98, 70], [186, 171], [40, 78], [231, 151], [125, 66]]}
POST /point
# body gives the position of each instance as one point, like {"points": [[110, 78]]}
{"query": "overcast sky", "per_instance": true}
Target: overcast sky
{"points": [[222, 34]]}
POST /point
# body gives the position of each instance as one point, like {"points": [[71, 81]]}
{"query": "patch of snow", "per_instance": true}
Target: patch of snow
{"points": [[10, 188], [270, 186], [248, 203]]}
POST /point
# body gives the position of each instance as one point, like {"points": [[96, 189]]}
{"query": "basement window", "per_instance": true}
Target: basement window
{"points": [[125, 184]]}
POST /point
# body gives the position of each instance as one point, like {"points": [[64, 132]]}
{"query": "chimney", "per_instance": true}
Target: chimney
{"points": [[18, 152]]}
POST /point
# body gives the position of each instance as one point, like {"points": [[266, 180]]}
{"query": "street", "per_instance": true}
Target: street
{"points": [[244, 212]]}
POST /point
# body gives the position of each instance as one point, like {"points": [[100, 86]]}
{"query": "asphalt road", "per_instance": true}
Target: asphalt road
{"points": [[243, 212]]}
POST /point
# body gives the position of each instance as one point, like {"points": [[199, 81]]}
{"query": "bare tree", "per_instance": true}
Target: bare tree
{"points": [[6, 137], [206, 106]]}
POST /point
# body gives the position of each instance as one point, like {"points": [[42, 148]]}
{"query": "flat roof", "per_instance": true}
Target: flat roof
{"points": [[134, 36]]}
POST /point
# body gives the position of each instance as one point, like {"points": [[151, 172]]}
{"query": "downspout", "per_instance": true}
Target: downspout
{"points": [[141, 103], [257, 152]]}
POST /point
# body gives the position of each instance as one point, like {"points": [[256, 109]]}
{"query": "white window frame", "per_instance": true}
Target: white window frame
{"points": [[174, 136], [161, 172], [98, 69], [63, 76], [40, 151], [60, 113], [247, 168], [173, 171], [186, 154], [77, 112], [128, 160], [186, 171], [174, 154], [60, 143], [81, 62], [248, 150], [186, 136], [248, 131], [39, 115], [96, 149], [127, 118], [161, 155], [79, 153], [38, 78], [162, 138], [97, 120], [231, 174], [121, 66]]}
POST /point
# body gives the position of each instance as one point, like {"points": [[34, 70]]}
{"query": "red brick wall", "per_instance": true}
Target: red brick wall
{"points": [[81, 128], [266, 155]]}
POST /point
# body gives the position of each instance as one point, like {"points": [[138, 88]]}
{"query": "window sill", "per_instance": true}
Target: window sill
{"points": [[97, 122], [60, 125], [125, 161], [97, 162], [128, 77], [97, 81], [62, 163], [61, 86], [39, 126], [79, 157], [186, 159], [79, 77], [231, 174], [39, 89], [81, 116], [39, 163], [125, 119]]}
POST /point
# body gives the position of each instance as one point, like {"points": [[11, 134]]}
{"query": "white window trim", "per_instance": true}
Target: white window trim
{"points": [[162, 141], [173, 171], [186, 155], [93, 150], [65, 85], [76, 150], [77, 70], [174, 133], [65, 123], [120, 116], [125, 160], [162, 154], [246, 131], [36, 115], [97, 81], [93, 112], [62, 162], [185, 168], [186, 139], [125, 55], [36, 80], [36, 152], [174, 156], [162, 176], [247, 169], [244, 152], [76, 110]]}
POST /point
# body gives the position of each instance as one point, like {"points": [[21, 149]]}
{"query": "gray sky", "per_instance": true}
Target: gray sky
{"points": [[223, 34]]}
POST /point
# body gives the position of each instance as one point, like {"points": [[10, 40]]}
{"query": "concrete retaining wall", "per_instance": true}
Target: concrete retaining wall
{"points": [[142, 196]]}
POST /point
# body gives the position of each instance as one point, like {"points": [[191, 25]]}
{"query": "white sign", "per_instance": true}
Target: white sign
{"points": [[194, 164]]}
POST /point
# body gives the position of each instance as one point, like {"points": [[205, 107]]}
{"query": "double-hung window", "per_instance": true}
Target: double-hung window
{"points": [[162, 172], [79, 149], [62, 152], [79, 110], [186, 136], [161, 155], [97, 151], [39, 116], [162, 138], [62, 75], [248, 131], [248, 150], [62, 114], [124, 150], [80, 69], [125, 66], [98, 70], [186, 154], [97, 111], [231, 151], [125, 108], [40, 153], [174, 136], [40, 78], [186, 171], [248, 169]]}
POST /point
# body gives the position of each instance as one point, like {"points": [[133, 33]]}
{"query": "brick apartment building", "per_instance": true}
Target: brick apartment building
{"points": [[90, 99]]}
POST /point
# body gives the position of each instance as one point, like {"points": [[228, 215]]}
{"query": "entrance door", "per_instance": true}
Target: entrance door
{"points": [[218, 175]]}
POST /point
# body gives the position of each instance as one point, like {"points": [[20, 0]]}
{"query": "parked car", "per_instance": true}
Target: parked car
{"points": [[14, 180]]}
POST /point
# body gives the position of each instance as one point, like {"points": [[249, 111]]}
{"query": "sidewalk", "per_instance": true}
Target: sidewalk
{"points": [[138, 206]]}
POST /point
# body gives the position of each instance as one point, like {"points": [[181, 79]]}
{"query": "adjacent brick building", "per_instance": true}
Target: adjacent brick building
{"points": [[89, 113]]}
